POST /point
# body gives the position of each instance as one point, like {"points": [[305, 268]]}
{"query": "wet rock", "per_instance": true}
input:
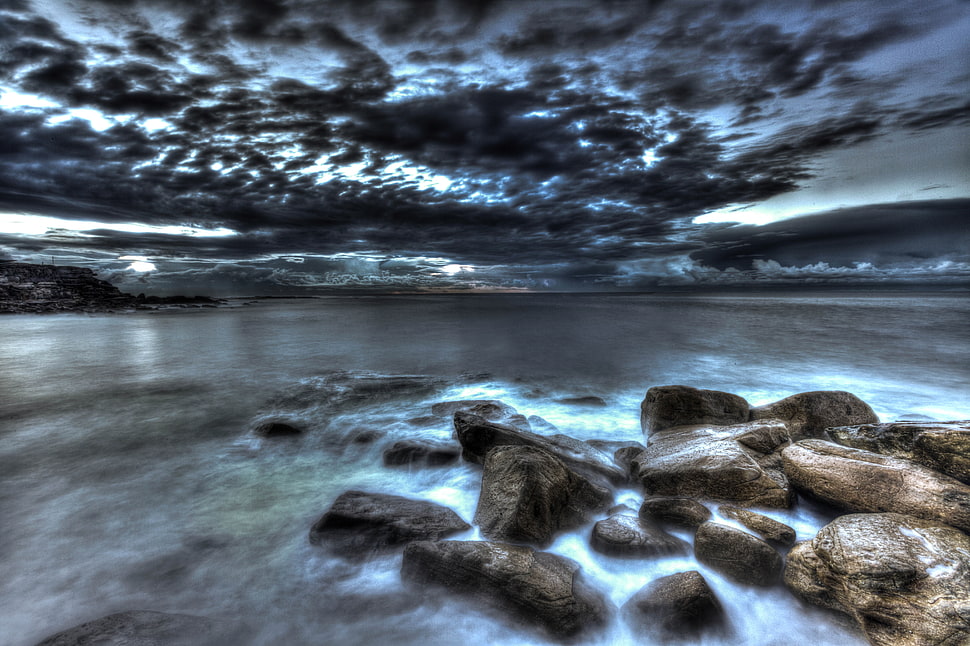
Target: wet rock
{"points": [[492, 410], [737, 554], [277, 429], [359, 524], [903, 580], [537, 589], [857, 480], [417, 452], [589, 400], [767, 528], [477, 436], [682, 512], [941, 446], [807, 415], [626, 535], [528, 495], [147, 628], [710, 463], [610, 447], [624, 457], [668, 406], [677, 607], [541, 425]]}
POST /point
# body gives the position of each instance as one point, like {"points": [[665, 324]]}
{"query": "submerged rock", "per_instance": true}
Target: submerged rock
{"points": [[941, 446], [717, 463], [857, 480], [528, 495], [737, 554], [148, 628], [277, 429], [626, 535], [807, 415], [478, 436], [668, 406], [767, 528], [588, 400], [359, 524], [538, 589], [417, 452], [682, 512], [904, 580], [676, 607]]}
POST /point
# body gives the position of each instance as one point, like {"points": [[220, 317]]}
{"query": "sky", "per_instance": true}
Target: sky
{"points": [[305, 146]]}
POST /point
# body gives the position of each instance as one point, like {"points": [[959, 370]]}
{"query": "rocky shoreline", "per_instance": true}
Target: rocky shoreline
{"points": [[895, 559], [43, 289]]}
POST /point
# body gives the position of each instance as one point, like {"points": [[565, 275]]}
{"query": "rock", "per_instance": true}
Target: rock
{"points": [[676, 607], [941, 446], [277, 429], [767, 528], [857, 480], [538, 589], [807, 415], [147, 628], [904, 580], [737, 554], [477, 436], [416, 452], [626, 535], [528, 495], [610, 447], [492, 410], [359, 524], [590, 400], [668, 406], [682, 512], [542, 425], [709, 463]]}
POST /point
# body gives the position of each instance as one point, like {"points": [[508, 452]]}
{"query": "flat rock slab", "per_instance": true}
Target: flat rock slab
{"points": [[668, 406], [148, 628], [737, 554], [538, 589], [807, 415], [627, 536], [676, 607], [941, 446], [359, 524], [904, 580], [767, 528], [857, 480]]}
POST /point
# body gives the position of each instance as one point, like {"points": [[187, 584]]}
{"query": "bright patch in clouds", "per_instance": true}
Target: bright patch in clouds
{"points": [[139, 264], [42, 224], [455, 269]]}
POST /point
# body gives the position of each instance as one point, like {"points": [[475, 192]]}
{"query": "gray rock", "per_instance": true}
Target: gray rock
{"points": [[492, 410], [857, 480], [767, 528], [538, 589], [904, 580], [941, 446], [624, 457], [626, 535], [710, 463], [147, 628], [418, 452], [682, 512], [737, 554], [676, 607], [807, 415], [359, 524], [528, 495], [668, 406], [277, 429]]}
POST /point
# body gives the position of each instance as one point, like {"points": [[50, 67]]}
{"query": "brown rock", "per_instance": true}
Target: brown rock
{"points": [[767, 528], [807, 415], [682, 512], [737, 554], [668, 406], [626, 535], [676, 607]]}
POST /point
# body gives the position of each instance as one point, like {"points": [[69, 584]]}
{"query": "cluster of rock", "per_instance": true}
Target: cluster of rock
{"points": [[28, 288]]}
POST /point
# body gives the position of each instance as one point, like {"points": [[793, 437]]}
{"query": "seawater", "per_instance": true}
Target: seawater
{"points": [[130, 478]]}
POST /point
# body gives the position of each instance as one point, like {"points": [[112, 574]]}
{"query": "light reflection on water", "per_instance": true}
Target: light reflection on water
{"points": [[129, 479]]}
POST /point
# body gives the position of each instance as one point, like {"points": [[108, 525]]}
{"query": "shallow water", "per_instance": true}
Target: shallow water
{"points": [[129, 478]]}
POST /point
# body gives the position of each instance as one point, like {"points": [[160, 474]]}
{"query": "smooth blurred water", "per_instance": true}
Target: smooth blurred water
{"points": [[129, 478]]}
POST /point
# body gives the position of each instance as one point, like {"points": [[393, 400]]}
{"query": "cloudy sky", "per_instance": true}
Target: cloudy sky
{"points": [[282, 146]]}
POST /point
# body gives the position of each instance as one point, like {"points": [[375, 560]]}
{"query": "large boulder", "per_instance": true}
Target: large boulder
{"points": [[767, 528], [420, 452], [676, 607], [148, 628], [737, 554], [538, 589], [528, 495], [857, 480], [680, 512], [942, 446], [478, 435], [807, 415], [717, 463], [626, 535], [667, 406], [359, 524], [904, 580]]}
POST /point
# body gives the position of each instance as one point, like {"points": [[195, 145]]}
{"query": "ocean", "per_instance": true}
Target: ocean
{"points": [[130, 477]]}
